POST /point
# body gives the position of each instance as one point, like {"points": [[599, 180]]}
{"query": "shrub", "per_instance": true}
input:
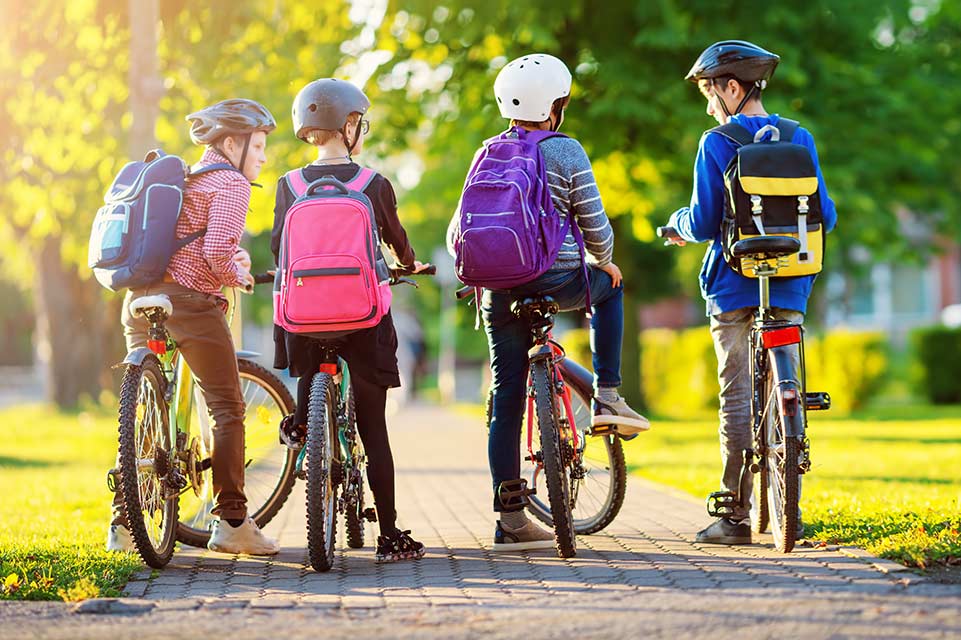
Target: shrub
{"points": [[679, 372], [936, 369], [850, 365]]}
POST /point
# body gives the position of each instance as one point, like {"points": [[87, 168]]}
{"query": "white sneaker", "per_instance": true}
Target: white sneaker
{"points": [[247, 539], [626, 421], [119, 540]]}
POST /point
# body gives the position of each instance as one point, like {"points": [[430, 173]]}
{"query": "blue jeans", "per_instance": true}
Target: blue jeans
{"points": [[509, 339]]}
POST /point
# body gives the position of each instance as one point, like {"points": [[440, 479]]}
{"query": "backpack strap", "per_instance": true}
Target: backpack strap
{"points": [[362, 180], [787, 128], [735, 133], [297, 182], [217, 166]]}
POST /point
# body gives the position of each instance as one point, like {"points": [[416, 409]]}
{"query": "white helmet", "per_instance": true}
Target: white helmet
{"points": [[527, 87]]}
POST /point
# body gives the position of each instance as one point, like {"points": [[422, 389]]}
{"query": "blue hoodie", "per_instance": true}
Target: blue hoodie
{"points": [[722, 288]]}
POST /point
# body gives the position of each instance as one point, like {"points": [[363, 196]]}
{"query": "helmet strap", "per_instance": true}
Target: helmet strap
{"points": [[746, 97], [353, 143], [243, 156]]}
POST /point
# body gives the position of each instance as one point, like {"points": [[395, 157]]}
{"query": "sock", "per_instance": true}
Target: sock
{"points": [[234, 523], [513, 519], [607, 394]]}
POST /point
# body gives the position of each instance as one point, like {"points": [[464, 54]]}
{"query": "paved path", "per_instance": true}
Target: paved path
{"points": [[643, 574]]}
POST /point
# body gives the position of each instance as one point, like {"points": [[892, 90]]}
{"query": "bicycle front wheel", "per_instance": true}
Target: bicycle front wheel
{"points": [[147, 474], [270, 466], [781, 466], [321, 490], [598, 475], [554, 455]]}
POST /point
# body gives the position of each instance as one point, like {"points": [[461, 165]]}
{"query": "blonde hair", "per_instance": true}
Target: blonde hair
{"points": [[318, 137]]}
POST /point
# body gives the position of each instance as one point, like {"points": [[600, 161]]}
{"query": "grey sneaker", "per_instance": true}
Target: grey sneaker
{"points": [[530, 536], [626, 421], [723, 531], [119, 540], [247, 539]]}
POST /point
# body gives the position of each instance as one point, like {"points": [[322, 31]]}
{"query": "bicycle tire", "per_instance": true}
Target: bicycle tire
{"points": [[760, 516], [155, 550], [782, 471], [555, 472], [354, 518], [271, 506], [321, 492], [613, 499]]}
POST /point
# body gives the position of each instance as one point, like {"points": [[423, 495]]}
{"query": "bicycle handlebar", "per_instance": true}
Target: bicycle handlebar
{"points": [[398, 276], [668, 233], [464, 292], [263, 278]]}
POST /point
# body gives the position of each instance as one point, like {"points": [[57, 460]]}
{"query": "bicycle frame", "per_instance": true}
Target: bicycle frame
{"points": [[558, 357]]}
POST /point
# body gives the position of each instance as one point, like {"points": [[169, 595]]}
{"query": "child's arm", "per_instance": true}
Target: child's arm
{"points": [[588, 211], [226, 218], [281, 205], [391, 230], [701, 221]]}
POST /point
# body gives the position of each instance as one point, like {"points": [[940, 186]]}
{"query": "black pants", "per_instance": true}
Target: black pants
{"points": [[370, 401]]}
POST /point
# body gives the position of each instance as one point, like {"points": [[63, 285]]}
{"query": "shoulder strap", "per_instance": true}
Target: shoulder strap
{"points": [[217, 166], [735, 133], [296, 182], [787, 128], [362, 180], [542, 135]]}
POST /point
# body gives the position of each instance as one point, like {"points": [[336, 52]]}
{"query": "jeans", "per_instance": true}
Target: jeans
{"points": [[731, 332], [509, 339]]}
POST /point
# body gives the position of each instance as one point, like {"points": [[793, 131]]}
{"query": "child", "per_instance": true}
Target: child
{"points": [[532, 92], [328, 114], [731, 76]]}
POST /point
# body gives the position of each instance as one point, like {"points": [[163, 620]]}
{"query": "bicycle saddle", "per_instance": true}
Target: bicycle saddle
{"points": [[765, 247], [542, 305], [139, 306]]}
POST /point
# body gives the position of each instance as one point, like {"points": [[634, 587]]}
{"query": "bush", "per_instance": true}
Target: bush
{"points": [[679, 372], [850, 365], [936, 369]]}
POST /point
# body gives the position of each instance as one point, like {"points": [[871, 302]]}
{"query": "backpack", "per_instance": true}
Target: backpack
{"points": [[134, 233], [332, 278], [772, 189], [509, 232]]}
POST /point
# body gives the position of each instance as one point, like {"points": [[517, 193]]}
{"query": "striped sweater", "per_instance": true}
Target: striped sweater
{"points": [[573, 189]]}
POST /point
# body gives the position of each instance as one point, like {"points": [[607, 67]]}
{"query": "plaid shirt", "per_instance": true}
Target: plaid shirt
{"points": [[216, 201]]}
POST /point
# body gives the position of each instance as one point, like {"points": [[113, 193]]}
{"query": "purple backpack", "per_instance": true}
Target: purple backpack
{"points": [[509, 232]]}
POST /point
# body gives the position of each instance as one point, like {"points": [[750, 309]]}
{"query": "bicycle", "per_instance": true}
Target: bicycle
{"points": [[330, 468], [582, 467], [778, 385], [163, 467]]}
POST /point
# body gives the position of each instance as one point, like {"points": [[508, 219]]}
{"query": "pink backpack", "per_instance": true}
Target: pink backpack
{"points": [[332, 278]]}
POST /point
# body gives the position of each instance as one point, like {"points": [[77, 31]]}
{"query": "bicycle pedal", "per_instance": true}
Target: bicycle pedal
{"points": [[603, 430], [370, 515], [817, 401], [721, 504], [112, 479]]}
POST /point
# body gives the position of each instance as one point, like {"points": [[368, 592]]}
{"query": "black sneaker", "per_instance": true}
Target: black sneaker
{"points": [[724, 531], [294, 436], [398, 546]]}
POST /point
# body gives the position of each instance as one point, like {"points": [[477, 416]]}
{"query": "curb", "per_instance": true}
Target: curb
{"points": [[887, 567]]}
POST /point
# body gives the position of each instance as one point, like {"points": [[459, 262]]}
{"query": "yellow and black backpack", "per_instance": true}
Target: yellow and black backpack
{"points": [[772, 189]]}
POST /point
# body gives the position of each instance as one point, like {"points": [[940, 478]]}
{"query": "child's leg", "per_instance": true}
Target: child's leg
{"points": [[303, 399], [370, 401]]}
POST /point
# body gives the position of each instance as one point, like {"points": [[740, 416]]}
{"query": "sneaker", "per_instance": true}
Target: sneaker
{"points": [[525, 538], [627, 421], [119, 540], [247, 539], [724, 531], [398, 546], [294, 436]]}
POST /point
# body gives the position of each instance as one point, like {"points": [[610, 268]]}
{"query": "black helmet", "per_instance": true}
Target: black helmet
{"points": [[325, 104], [743, 60], [237, 116]]}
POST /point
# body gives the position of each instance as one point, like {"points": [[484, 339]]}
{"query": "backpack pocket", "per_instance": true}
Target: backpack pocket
{"points": [[109, 241], [492, 253], [329, 289]]}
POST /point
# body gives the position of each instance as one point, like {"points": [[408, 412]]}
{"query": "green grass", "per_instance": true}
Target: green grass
{"points": [[887, 479], [55, 506]]}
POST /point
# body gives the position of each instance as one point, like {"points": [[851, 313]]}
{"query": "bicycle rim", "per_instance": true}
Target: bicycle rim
{"points": [[354, 500], [145, 455], [556, 473], [269, 474], [597, 497], [781, 467], [321, 492]]}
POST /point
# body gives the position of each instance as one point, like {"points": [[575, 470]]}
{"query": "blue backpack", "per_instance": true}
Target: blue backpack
{"points": [[134, 233]]}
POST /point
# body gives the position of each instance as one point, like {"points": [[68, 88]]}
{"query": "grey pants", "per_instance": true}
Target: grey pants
{"points": [[731, 332]]}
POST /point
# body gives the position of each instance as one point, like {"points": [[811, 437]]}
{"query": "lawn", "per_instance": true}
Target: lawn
{"points": [[887, 480], [55, 506]]}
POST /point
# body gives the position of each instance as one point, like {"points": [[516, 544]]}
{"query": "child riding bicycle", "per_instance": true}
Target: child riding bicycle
{"points": [[215, 205], [532, 92], [329, 114], [731, 76]]}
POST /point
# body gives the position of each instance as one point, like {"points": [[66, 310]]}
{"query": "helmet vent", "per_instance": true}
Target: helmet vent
{"points": [[312, 108], [516, 102]]}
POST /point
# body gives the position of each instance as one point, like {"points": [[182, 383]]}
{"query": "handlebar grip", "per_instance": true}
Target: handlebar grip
{"points": [[464, 292], [669, 233], [431, 270], [263, 278]]}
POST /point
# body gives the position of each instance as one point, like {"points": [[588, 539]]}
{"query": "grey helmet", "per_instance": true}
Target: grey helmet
{"points": [[325, 104], [237, 116]]}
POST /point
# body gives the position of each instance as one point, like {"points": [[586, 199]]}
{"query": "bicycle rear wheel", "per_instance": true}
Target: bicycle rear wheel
{"points": [[146, 471], [554, 454], [270, 466], [597, 486], [781, 466], [321, 490], [354, 516]]}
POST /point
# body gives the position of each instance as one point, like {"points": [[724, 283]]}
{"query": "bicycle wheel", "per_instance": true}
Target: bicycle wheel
{"points": [[598, 484], [321, 490], [556, 473], [148, 482], [269, 475], [759, 511], [354, 491], [781, 467]]}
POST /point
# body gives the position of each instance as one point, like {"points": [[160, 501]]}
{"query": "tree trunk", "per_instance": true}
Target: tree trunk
{"points": [[146, 87]]}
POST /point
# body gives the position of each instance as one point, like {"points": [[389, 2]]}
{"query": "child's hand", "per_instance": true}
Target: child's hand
{"points": [[614, 271], [242, 258], [419, 266]]}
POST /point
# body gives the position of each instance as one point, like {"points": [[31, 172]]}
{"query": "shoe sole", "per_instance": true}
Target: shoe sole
{"points": [[219, 549], [413, 555], [523, 546], [625, 426], [728, 540]]}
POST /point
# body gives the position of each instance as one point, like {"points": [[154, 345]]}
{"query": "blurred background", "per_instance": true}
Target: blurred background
{"points": [[88, 85]]}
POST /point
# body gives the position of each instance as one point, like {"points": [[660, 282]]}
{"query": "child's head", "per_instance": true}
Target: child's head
{"points": [[330, 113], [533, 91], [730, 74], [237, 129]]}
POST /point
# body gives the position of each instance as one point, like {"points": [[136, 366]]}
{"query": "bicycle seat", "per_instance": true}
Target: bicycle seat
{"points": [[765, 247], [144, 304], [535, 305]]}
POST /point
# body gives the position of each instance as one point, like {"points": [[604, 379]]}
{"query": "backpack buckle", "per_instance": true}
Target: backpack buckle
{"points": [[802, 205], [756, 207]]}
